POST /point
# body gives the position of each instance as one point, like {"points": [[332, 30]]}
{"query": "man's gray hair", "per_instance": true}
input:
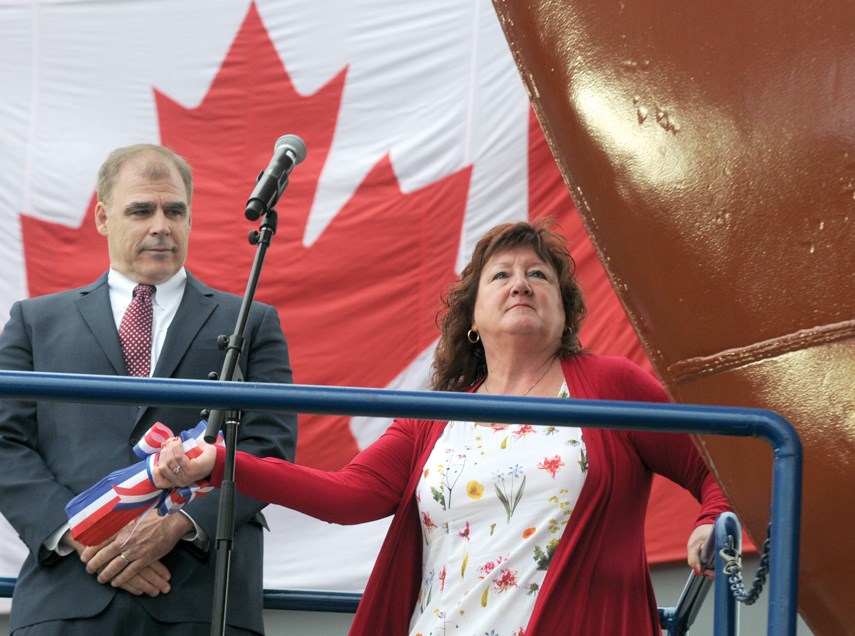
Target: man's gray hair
{"points": [[109, 171]]}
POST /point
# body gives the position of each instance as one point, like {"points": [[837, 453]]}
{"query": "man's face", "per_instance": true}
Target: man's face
{"points": [[147, 222]]}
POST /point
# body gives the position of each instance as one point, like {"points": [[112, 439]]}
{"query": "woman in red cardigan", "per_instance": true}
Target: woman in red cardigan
{"points": [[503, 530]]}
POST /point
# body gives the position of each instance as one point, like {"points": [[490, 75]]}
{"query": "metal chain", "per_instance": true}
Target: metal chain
{"points": [[733, 570]]}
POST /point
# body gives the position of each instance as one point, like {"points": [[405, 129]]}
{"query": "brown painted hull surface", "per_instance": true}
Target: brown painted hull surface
{"points": [[710, 149]]}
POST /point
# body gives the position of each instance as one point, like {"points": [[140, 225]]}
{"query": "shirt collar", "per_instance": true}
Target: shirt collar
{"points": [[168, 292]]}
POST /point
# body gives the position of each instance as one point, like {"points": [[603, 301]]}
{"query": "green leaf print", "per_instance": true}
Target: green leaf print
{"points": [[544, 557], [502, 498], [519, 495], [438, 496], [506, 503]]}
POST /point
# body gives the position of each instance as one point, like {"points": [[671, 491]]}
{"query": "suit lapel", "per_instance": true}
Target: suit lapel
{"points": [[94, 306], [195, 308]]}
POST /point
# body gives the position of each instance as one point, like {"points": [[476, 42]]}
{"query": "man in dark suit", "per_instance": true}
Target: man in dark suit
{"points": [[156, 577]]}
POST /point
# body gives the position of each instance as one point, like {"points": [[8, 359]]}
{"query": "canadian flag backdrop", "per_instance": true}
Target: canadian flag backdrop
{"points": [[420, 138]]}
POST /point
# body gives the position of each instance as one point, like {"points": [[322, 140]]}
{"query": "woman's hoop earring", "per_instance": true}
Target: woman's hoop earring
{"points": [[473, 340]]}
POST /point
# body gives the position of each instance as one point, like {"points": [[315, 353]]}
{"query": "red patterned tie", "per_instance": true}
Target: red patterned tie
{"points": [[135, 332]]}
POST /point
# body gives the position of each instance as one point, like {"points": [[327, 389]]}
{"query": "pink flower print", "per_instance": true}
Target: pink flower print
{"points": [[430, 526], [551, 465], [505, 581], [442, 579], [465, 532], [485, 570], [522, 431]]}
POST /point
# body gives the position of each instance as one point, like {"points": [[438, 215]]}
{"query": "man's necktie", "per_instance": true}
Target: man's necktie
{"points": [[135, 332]]}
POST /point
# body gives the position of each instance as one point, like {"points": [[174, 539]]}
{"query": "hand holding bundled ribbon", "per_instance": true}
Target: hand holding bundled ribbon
{"points": [[126, 494]]}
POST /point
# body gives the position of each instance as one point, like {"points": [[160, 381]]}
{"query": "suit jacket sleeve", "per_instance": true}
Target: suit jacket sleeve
{"points": [[26, 478]]}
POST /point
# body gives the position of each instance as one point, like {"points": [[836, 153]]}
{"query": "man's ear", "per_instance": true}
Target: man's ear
{"points": [[101, 218]]}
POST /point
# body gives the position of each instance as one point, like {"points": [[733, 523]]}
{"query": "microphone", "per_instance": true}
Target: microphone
{"points": [[288, 151]]}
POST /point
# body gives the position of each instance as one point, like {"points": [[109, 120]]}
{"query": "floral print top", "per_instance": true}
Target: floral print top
{"points": [[493, 502]]}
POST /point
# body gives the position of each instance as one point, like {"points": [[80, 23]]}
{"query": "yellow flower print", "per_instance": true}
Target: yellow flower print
{"points": [[474, 489]]}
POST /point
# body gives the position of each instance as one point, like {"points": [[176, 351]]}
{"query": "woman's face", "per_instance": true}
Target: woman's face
{"points": [[518, 295]]}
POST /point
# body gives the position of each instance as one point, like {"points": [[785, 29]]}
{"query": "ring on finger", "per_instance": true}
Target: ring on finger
{"points": [[127, 561], [176, 470]]}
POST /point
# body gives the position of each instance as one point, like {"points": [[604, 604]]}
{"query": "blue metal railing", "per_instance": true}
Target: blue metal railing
{"points": [[727, 532], [679, 418]]}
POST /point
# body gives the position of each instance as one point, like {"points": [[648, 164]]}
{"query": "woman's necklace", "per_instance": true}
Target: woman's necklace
{"points": [[536, 382]]}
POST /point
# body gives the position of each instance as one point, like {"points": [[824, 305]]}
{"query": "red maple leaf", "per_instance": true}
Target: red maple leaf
{"points": [[359, 304], [59, 257]]}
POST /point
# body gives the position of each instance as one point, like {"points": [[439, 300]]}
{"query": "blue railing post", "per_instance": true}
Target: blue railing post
{"points": [[785, 520], [728, 533]]}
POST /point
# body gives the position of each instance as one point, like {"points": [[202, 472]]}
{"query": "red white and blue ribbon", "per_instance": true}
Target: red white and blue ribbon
{"points": [[127, 494]]}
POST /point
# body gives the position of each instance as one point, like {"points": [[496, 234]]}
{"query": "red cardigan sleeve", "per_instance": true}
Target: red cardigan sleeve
{"points": [[675, 457], [672, 455], [368, 488]]}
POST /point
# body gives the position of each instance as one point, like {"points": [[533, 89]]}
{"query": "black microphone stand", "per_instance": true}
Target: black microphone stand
{"points": [[231, 372]]}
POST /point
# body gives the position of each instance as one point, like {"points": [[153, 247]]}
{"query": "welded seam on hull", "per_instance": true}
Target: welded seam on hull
{"points": [[694, 368]]}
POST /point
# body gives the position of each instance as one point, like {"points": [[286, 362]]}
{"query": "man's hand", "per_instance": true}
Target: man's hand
{"points": [[131, 559], [152, 580]]}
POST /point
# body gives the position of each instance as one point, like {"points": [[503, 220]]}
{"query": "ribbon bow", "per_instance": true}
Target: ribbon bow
{"points": [[126, 494]]}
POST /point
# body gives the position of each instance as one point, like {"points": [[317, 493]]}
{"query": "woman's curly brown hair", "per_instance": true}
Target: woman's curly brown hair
{"points": [[457, 363]]}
